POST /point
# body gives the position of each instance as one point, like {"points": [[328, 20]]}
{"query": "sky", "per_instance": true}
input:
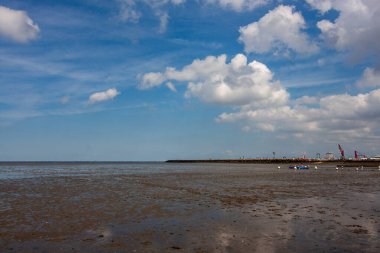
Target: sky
{"points": [[151, 80]]}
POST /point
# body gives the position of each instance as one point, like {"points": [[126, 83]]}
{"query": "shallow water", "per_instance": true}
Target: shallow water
{"points": [[160, 207]]}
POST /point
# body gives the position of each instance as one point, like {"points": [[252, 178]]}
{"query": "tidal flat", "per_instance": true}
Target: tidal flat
{"points": [[159, 207]]}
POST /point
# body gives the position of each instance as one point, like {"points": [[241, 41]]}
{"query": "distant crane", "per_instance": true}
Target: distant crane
{"points": [[341, 152], [359, 155]]}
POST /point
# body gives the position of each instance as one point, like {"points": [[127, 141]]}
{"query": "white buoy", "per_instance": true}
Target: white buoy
{"points": [[337, 168], [316, 167], [357, 169], [279, 167]]}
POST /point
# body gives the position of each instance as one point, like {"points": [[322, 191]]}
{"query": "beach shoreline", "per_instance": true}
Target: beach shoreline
{"points": [[190, 208]]}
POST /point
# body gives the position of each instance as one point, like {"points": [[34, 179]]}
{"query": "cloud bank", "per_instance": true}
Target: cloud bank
{"points": [[17, 25], [341, 116], [261, 103], [103, 96]]}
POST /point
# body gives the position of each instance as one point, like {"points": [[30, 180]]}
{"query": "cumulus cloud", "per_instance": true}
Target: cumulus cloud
{"points": [[356, 30], [280, 29], [261, 103], [340, 115], [17, 25], [239, 5], [103, 96], [370, 78], [214, 80]]}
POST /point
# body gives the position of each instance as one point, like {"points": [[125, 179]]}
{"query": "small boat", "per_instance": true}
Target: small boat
{"points": [[299, 167]]}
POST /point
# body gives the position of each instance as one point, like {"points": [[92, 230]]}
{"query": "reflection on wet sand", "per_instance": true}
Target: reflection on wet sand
{"points": [[189, 208]]}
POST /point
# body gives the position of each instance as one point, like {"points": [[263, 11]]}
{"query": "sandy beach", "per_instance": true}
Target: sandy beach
{"points": [[189, 208]]}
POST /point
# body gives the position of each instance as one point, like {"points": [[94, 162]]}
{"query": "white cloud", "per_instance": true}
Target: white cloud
{"points": [[129, 11], [239, 5], [356, 29], [17, 25], [198, 69], [213, 80], [343, 116], [280, 29], [263, 104], [370, 78], [151, 80], [322, 5], [249, 85], [103, 96]]}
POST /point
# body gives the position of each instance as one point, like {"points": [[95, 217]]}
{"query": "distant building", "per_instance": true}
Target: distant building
{"points": [[329, 156]]}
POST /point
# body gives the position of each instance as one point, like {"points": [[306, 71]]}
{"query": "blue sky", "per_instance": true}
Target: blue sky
{"points": [[183, 79]]}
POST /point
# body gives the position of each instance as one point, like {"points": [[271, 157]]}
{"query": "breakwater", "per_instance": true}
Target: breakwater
{"points": [[349, 163]]}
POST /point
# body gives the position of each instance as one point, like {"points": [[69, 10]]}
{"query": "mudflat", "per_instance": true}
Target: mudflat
{"points": [[189, 208]]}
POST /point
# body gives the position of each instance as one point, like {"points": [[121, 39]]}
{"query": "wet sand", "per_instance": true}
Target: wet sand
{"points": [[192, 208]]}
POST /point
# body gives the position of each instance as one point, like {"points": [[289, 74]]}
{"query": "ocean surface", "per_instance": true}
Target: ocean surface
{"points": [[20, 170]]}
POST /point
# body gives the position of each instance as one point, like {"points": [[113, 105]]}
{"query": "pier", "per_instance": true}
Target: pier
{"points": [[340, 162]]}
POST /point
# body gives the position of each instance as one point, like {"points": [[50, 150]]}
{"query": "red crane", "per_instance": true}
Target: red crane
{"points": [[341, 152], [358, 155]]}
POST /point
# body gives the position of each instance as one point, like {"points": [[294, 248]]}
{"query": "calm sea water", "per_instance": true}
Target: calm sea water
{"points": [[43, 169], [51, 169], [21, 170]]}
